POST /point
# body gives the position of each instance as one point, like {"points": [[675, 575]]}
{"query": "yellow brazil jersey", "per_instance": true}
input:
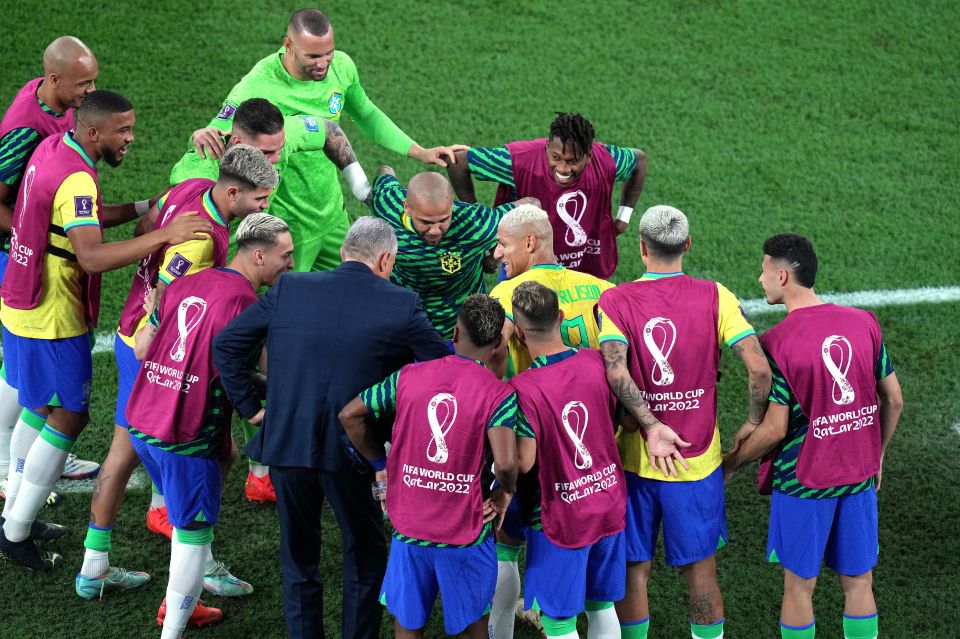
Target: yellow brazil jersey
{"points": [[577, 293], [199, 254], [61, 312], [732, 326]]}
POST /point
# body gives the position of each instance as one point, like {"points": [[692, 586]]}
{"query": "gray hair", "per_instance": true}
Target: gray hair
{"points": [[664, 229], [368, 239], [259, 230], [528, 219], [249, 167]]}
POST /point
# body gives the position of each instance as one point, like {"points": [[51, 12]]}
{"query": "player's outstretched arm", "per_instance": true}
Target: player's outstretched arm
{"points": [[354, 419], [891, 405], [95, 256], [630, 193], [209, 142], [337, 148], [753, 442], [758, 370], [461, 179]]}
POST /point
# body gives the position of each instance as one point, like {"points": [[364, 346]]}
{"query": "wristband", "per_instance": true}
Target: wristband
{"points": [[142, 207], [624, 213], [357, 180], [380, 463]]}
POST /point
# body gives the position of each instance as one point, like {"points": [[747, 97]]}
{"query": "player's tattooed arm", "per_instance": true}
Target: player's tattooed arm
{"points": [[758, 369], [142, 340], [618, 376], [337, 147]]}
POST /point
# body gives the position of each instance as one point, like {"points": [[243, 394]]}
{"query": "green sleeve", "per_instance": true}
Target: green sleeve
{"points": [[523, 428], [381, 399], [625, 159], [304, 133], [386, 200], [491, 164], [506, 413], [372, 121], [779, 390], [191, 166], [884, 366], [15, 150]]}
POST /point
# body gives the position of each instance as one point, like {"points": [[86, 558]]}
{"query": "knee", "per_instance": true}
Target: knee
{"points": [[857, 585], [639, 572], [795, 585]]}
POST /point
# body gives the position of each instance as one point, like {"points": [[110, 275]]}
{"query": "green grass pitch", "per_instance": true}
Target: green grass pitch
{"points": [[835, 120]]}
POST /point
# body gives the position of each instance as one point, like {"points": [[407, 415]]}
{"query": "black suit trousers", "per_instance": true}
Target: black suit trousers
{"points": [[300, 496]]}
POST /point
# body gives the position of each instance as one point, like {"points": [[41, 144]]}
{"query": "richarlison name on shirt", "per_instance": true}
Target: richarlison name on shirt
{"points": [[851, 420], [673, 400], [578, 293], [415, 476], [581, 487], [169, 377]]}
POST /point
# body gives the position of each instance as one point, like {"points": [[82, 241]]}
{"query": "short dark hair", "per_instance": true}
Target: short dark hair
{"points": [[797, 252], [482, 317], [258, 116], [100, 103], [574, 129], [310, 21], [536, 307]]}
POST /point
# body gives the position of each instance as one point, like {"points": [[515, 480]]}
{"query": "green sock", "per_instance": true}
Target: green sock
{"points": [[635, 629], [249, 431], [860, 627], [558, 627], [808, 631], [98, 538], [707, 631], [506, 552], [32, 420]]}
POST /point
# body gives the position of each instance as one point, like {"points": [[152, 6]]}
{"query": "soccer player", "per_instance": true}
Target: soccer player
{"points": [[525, 248], [447, 411], [661, 337], [51, 295], [43, 107], [574, 493], [573, 176], [259, 123], [442, 242], [307, 77], [179, 415], [832, 378], [244, 185]]}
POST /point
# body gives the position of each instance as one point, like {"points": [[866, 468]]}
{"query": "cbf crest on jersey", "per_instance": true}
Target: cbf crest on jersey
{"points": [[335, 102], [450, 263]]}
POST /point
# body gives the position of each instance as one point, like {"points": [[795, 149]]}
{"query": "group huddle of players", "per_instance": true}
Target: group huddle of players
{"points": [[595, 403]]}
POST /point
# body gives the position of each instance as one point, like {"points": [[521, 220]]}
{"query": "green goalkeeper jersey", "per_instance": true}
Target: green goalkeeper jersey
{"points": [[308, 197]]}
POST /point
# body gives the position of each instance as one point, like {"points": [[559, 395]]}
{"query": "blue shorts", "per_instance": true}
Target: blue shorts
{"points": [[558, 580], [127, 368], [464, 577], [191, 486], [842, 530], [693, 515], [4, 258], [50, 372], [513, 524]]}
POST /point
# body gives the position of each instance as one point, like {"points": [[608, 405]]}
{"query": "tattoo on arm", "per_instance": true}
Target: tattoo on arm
{"points": [[618, 376], [337, 146], [750, 347]]}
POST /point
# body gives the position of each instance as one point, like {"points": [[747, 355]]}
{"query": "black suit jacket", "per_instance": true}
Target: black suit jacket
{"points": [[329, 335]]}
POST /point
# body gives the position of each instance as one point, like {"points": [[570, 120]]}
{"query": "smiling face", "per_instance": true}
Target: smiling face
{"points": [[77, 80], [773, 276], [565, 165], [114, 135], [311, 55], [511, 251], [278, 259]]}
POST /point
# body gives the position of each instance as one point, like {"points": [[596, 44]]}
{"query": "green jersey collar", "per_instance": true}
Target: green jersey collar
{"points": [[76, 147], [546, 360], [652, 275], [549, 267], [211, 208]]}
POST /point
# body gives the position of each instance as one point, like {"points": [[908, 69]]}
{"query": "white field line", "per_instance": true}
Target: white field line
{"points": [[138, 481], [956, 427], [869, 299]]}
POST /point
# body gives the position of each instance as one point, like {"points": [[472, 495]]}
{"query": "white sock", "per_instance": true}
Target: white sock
{"points": [[502, 610], [42, 467], [6, 434], [95, 563], [187, 562], [603, 624], [157, 501], [569, 635], [23, 437], [259, 470]]}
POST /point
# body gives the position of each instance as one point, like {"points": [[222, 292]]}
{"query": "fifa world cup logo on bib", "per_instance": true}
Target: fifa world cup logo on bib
{"points": [[575, 419], [570, 209], [659, 336], [189, 314], [841, 391], [446, 403]]}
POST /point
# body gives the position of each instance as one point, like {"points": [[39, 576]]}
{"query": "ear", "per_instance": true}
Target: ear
{"points": [[562, 316], [519, 332], [689, 243], [531, 243], [233, 192], [783, 276], [287, 42], [644, 251], [53, 79], [235, 140], [456, 335]]}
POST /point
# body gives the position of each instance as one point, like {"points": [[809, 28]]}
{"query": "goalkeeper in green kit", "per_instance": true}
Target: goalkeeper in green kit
{"points": [[307, 77]]}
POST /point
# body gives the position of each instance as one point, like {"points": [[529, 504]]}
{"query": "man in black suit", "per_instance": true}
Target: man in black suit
{"points": [[329, 335]]}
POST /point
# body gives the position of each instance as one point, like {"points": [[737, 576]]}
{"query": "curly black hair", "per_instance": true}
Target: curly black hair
{"points": [[574, 129]]}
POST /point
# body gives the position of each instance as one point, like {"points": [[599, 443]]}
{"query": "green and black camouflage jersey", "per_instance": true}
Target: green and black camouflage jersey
{"points": [[446, 274], [381, 400], [493, 164], [785, 465]]}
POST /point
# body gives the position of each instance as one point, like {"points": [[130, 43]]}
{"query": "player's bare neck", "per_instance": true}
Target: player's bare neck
{"points": [[48, 96], [798, 297]]}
